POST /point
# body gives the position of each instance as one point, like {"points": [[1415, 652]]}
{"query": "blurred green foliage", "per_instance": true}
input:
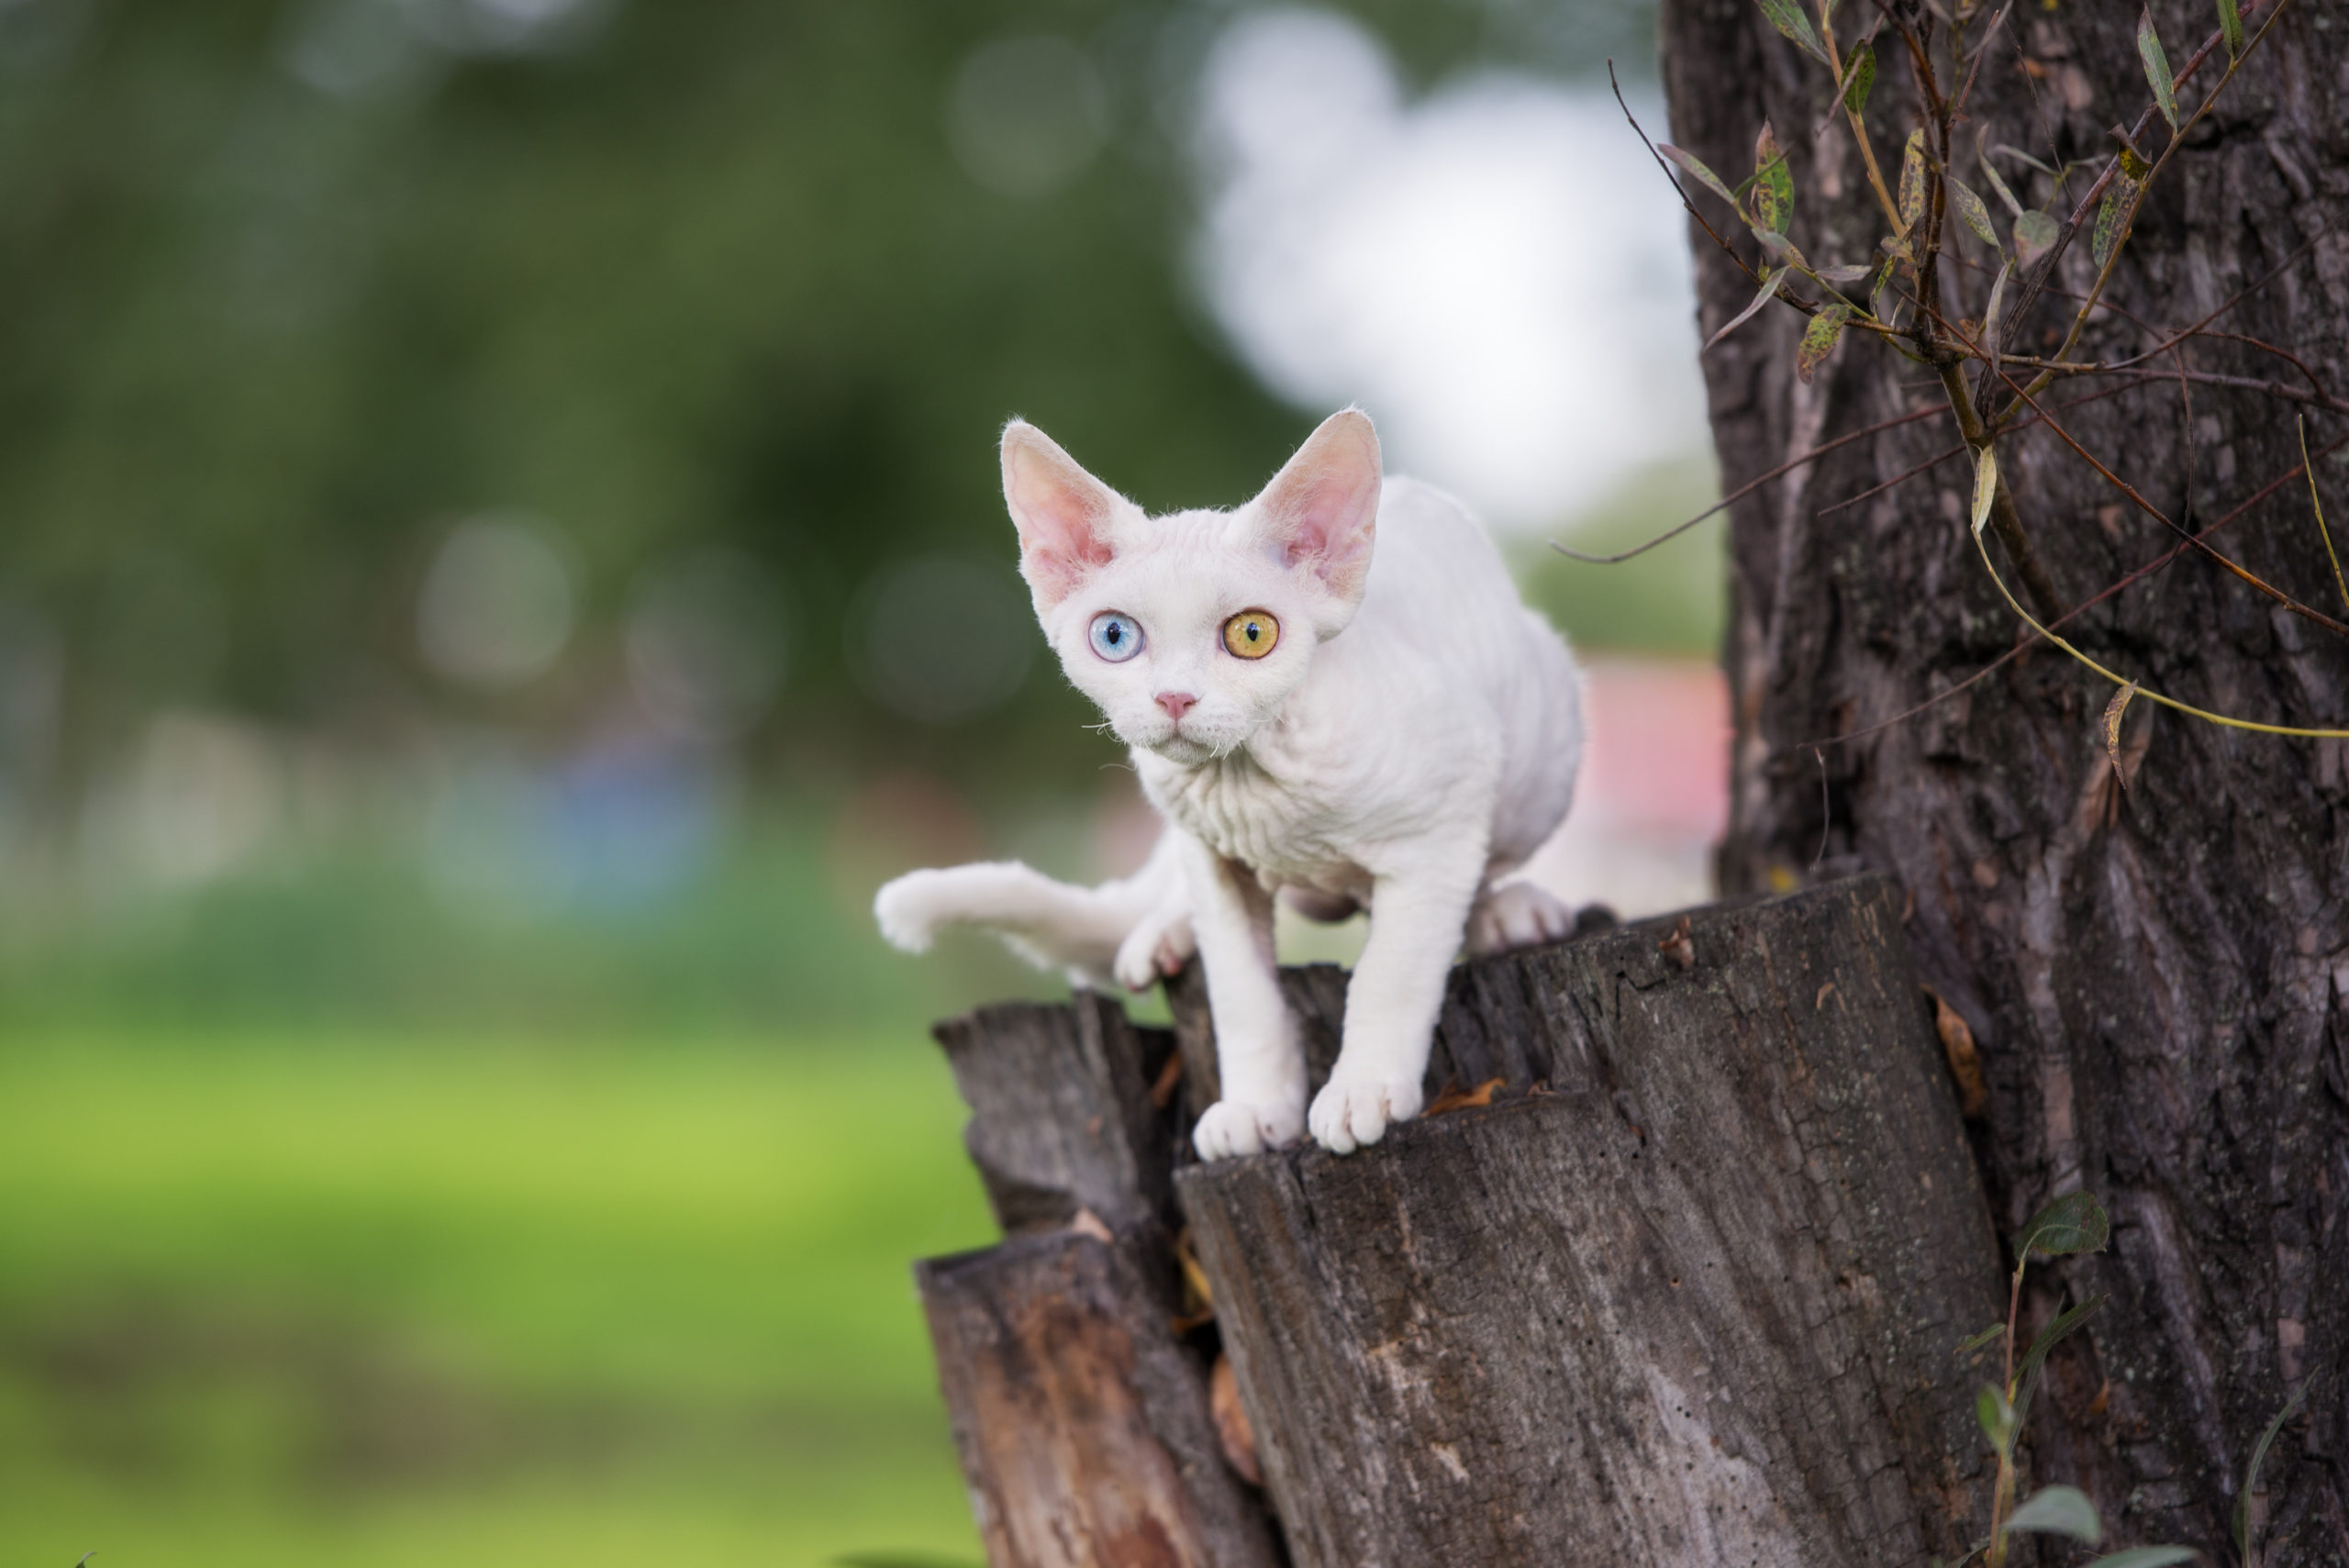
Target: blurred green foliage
{"points": [[368, 1301], [286, 287]]}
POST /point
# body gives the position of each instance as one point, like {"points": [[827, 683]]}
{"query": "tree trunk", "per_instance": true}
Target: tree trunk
{"points": [[2157, 978], [1688, 1293]]}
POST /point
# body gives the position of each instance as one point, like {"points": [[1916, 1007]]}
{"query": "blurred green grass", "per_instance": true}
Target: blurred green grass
{"points": [[408, 1300]]}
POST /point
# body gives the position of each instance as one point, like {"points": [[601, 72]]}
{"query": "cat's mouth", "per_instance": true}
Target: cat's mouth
{"points": [[1176, 745]]}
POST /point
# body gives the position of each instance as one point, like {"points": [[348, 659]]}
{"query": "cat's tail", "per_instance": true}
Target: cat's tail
{"points": [[1127, 932]]}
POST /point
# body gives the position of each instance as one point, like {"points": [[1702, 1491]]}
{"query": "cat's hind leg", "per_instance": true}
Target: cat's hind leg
{"points": [[1516, 914]]}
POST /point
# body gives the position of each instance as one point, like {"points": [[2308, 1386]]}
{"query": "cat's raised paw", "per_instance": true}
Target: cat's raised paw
{"points": [[1234, 1127], [1351, 1114], [1161, 945], [1517, 914]]}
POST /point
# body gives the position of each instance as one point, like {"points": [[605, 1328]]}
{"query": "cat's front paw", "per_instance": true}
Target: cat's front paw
{"points": [[1353, 1113], [1233, 1128]]}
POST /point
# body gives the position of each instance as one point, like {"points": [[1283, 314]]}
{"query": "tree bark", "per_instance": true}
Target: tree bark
{"points": [[1689, 1293], [1081, 1410], [2158, 979], [1083, 1423]]}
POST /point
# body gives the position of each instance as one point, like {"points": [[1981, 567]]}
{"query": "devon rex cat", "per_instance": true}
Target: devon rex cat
{"points": [[1400, 768]]}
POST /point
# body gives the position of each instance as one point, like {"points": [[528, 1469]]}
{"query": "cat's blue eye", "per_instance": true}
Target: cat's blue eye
{"points": [[1116, 636]]}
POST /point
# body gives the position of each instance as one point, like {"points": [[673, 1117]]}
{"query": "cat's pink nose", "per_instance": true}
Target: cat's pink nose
{"points": [[1177, 703]]}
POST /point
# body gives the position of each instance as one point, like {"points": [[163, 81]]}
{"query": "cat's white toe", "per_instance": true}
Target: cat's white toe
{"points": [[1230, 1128], [903, 910], [1154, 948], [1517, 914], [1351, 1114]]}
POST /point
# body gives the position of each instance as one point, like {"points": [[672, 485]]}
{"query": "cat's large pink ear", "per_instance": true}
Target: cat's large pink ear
{"points": [[1321, 509], [1063, 513]]}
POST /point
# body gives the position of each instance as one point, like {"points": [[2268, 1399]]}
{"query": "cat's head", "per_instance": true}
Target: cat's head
{"points": [[1189, 630]]}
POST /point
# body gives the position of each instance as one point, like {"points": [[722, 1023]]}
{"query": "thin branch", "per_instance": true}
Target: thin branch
{"points": [[1743, 491], [2124, 487], [2031, 639], [2316, 503], [2176, 140]]}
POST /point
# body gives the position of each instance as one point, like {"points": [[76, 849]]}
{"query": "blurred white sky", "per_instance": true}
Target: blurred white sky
{"points": [[1496, 271]]}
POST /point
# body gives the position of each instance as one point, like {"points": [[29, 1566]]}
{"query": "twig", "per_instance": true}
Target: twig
{"points": [[2032, 639], [1743, 491], [2316, 503]]}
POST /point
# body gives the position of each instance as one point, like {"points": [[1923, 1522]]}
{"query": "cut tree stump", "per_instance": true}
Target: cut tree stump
{"points": [[1689, 1293], [1082, 1416]]}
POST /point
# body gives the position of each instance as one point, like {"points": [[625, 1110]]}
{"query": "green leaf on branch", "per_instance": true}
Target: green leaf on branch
{"points": [[1770, 281], [1788, 17], [2113, 217], [2059, 1510], [1982, 1339], [1990, 172], [2149, 49], [2020, 155], [2073, 1223], [2146, 1557], [2231, 24], [2035, 233], [2251, 1476], [1779, 247], [1912, 180], [1859, 75], [1695, 169], [1772, 200], [2027, 1370], [1985, 487], [1819, 338], [1997, 1416], [1977, 216], [1990, 311]]}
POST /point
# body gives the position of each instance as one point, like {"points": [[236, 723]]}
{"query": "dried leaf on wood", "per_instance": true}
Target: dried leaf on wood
{"points": [[1170, 1078], [1455, 1098], [1678, 946], [1198, 1294], [1965, 1059], [1233, 1432]]}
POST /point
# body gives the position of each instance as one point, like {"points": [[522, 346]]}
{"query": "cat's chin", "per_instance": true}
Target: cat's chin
{"points": [[1182, 750]]}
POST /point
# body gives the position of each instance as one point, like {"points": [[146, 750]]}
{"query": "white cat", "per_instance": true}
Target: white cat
{"points": [[1400, 768]]}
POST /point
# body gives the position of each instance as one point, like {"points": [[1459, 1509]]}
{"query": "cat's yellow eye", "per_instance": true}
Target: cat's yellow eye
{"points": [[1251, 634]]}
